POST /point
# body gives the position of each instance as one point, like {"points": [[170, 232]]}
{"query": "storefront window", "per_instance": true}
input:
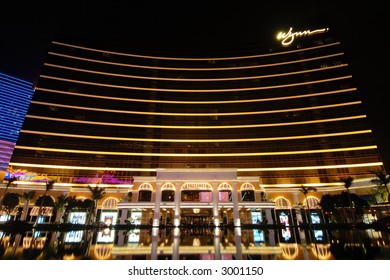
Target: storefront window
{"points": [[168, 196], [144, 196]]}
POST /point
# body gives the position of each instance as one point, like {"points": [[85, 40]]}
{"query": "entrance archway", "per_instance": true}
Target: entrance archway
{"points": [[197, 192]]}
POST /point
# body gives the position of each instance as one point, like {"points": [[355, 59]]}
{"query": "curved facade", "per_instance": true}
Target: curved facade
{"points": [[212, 138], [15, 98], [290, 115]]}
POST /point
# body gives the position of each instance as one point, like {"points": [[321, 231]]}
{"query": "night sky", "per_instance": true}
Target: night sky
{"points": [[201, 26]]}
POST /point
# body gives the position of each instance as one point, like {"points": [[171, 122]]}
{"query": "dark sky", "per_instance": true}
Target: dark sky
{"points": [[202, 25]]}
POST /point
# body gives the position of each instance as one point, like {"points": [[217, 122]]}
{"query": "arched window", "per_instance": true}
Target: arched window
{"points": [[168, 192], [247, 192], [197, 192], [110, 203], [145, 192], [312, 201], [224, 192], [282, 203]]}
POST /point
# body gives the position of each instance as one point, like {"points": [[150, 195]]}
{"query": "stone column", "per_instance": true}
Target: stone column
{"points": [[299, 212], [176, 242], [154, 243], [236, 214], [176, 217], [123, 217], [268, 215], [217, 243], [135, 196], [157, 203], [237, 233], [215, 204]]}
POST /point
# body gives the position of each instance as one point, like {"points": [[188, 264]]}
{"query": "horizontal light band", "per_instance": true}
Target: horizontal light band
{"points": [[196, 90], [194, 155], [197, 102], [195, 127], [196, 114], [359, 180], [197, 140], [192, 79], [80, 167], [194, 59], [300, 185], [196, 69], [48, 166], [312, 167]]}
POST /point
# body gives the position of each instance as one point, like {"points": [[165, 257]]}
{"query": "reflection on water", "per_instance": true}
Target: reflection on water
{"points": [[202, 243]]}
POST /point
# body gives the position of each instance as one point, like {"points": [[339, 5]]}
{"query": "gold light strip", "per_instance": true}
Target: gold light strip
{"points": [[195, 155], [195, 127], [195, 90], [196, 102], [192, 58], [195, 80], [81, 167], [312, 167], [196, 69], [196, 114], [300, 185], [196, 140], [154, 169]]}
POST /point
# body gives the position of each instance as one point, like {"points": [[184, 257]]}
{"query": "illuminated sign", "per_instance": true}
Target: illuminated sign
{"points": [[288, 38], [74, 236], [78, 218]]}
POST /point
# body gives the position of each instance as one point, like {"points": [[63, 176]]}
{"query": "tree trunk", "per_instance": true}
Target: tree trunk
{"points": [[40, 208], [25, 210], [59, 215]]}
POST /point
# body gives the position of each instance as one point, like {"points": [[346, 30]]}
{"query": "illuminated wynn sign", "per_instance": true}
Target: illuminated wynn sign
{"points": [[288, 38]]}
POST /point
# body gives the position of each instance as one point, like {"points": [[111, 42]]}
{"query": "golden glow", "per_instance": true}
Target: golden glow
{"points": [[197, 140], [197, 102], [313, 167], [154, 169], [289, 250], [188, 58], [321, 251], [49, 166], [195, 155], [196, 127], [288, 38], [202, 69], [124, 186], [195, 80], [196, 90], [300, 185], [196, 114]]}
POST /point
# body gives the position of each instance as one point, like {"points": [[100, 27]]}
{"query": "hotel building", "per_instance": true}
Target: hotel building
{"points": [[203, 138], [15, 97]]}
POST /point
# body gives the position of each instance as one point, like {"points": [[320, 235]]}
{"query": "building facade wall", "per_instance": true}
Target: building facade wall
{"points": [[289, 115]]}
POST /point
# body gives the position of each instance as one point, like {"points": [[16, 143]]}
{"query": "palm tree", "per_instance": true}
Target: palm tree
{"points": [[27, 196], [60, 206], [97, 193], [305, 191], [347, 184], [49, 186], [9, 182], [382, 181], [10, 202]]}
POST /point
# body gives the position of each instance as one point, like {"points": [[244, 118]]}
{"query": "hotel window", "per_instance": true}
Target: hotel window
{"points": [[145, 192], [247, 192], [224, 192], [168, 195], [144, 196]]}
